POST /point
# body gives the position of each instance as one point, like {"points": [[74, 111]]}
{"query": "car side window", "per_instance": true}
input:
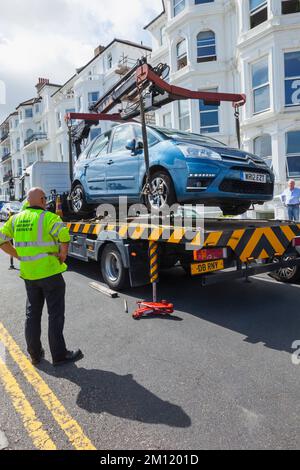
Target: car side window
{"points": [[100, 146], [121, 136], [152, 139]]}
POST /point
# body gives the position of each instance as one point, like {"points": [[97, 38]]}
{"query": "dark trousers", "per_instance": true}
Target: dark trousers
{"points": [[51, 289]]}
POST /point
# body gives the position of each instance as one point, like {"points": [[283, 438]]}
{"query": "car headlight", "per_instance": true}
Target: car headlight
{"points": [[196, 151]]}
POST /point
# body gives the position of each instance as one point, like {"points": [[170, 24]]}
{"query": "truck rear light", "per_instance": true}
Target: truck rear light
{"points": [[296, 242], [210, 254]]}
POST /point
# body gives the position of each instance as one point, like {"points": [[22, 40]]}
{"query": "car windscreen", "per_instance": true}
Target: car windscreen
{"points": [[189, 136]]}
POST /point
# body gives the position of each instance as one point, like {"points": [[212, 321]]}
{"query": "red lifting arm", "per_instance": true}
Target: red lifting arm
{"points": [[144, 74]]}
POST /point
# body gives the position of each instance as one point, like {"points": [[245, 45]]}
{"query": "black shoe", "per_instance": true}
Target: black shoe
{"points": [[71, 356], [35, 360]]}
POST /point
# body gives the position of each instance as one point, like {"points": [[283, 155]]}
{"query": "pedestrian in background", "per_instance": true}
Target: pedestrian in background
{"points": [[41, 245], [291, 199]]}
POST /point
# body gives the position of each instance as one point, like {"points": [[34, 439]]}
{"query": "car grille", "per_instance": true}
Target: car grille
{"points": [[245, 187], [237, 159]]}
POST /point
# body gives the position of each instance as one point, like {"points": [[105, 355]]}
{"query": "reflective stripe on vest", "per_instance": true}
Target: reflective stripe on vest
{"points": [[57, 228], [35, 244], [26, 259], [4, 238]]}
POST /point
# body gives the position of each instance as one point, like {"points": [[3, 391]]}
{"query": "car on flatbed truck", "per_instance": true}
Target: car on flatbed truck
{"points": [[185, 168]]}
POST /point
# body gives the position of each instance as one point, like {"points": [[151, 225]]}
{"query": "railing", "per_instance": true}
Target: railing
{"points": [[6, 157], [7, 177], [34, 138], [4, 136]]}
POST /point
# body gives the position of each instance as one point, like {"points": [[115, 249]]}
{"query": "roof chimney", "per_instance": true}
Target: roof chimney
{"points": [[41, 83], [98, 50]]}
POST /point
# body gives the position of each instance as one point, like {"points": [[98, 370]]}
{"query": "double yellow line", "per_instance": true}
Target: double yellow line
{"points": [[34, 427]]}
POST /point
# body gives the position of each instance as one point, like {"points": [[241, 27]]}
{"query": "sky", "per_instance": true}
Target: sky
{"points": [[51, 38]]}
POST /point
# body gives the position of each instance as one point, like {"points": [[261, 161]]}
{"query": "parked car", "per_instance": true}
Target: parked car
{"points": [[8, 209], [185, 168], [2, 204]]}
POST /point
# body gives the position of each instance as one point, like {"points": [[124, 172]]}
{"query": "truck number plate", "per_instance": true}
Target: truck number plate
{"points": [[203, 268], [255, 177]]}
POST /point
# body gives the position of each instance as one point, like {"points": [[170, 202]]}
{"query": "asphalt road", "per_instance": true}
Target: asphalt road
{"points": [[217, 375]]}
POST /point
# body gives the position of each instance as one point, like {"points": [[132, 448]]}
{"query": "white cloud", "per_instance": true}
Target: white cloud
{"points": [[53, 37]]}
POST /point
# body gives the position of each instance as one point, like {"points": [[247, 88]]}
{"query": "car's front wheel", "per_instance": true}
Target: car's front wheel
{"points": [[162, 192], [235, 210], [78, 203]]}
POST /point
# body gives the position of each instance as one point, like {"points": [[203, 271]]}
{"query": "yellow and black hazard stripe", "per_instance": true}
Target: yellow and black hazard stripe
{"points": [[135, 231], [154, 264], [258, 243]]}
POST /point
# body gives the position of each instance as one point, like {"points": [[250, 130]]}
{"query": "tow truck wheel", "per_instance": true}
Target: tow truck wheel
{"points": [[287, 275], [113, 270]]}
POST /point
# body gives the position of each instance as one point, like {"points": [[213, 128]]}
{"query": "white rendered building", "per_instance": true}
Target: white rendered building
{"points": [[241, 46]]}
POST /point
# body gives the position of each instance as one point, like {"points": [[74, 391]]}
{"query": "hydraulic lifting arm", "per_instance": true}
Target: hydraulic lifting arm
{"points": [[143, 89]]}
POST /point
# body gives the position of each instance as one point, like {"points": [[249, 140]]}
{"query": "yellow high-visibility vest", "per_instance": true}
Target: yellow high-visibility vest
{"points": [[36, 234]]}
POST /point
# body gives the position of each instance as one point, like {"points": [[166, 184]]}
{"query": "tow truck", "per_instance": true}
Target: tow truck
{"points": [[132, 252]]}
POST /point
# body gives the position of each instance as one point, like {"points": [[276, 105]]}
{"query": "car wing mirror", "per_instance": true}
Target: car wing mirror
{"points": [[131, 145], [140, 145]]}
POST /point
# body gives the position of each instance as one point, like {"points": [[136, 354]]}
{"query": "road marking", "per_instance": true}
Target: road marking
{"points": [[273, 281], [31, 423], [62, 417], [3, 441]]}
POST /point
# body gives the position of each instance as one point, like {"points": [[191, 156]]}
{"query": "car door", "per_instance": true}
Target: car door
{"points": [[122, 165], [95, 167]]}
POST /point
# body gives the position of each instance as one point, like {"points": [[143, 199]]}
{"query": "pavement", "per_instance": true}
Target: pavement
{"points": [[218, 375]]}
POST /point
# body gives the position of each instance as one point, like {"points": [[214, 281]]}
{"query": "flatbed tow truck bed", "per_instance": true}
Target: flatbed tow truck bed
{"points": [[225, 249]]}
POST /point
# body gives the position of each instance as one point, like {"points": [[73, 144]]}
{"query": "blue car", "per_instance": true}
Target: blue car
{"points": [[185, 168]]}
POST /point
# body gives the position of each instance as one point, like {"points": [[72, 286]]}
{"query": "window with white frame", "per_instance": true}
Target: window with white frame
{"points": [[79, 103], [162, 35], [181, 53], [93, 97], [58, 119], [261, 86], [109, 61], [209, 116], [206, 46], [293, 153], [292, 78], [167, 120], [178, 6], [184, 115], [262, 147], [28, 113], [258, 12], [199, 2], [290, 6]]}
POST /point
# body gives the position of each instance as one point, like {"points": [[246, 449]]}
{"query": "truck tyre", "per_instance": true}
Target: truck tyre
{"points": [[78, 203], [287, 275], [113, 270], [164, 192]]}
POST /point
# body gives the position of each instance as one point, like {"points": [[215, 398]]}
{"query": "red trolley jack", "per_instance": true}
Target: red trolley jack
{"points": [[153, 308]]}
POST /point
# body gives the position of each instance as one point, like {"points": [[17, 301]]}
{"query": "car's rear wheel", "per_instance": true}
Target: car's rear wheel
{"points": [[162, 192], [113, 270], [235, 210], [78, 203]]}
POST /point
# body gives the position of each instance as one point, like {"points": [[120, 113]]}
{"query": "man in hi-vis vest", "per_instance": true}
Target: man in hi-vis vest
{"points": [[41, 242]]}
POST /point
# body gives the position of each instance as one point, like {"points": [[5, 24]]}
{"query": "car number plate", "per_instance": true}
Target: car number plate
{"points": [[203, 268], [255, 177]]}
